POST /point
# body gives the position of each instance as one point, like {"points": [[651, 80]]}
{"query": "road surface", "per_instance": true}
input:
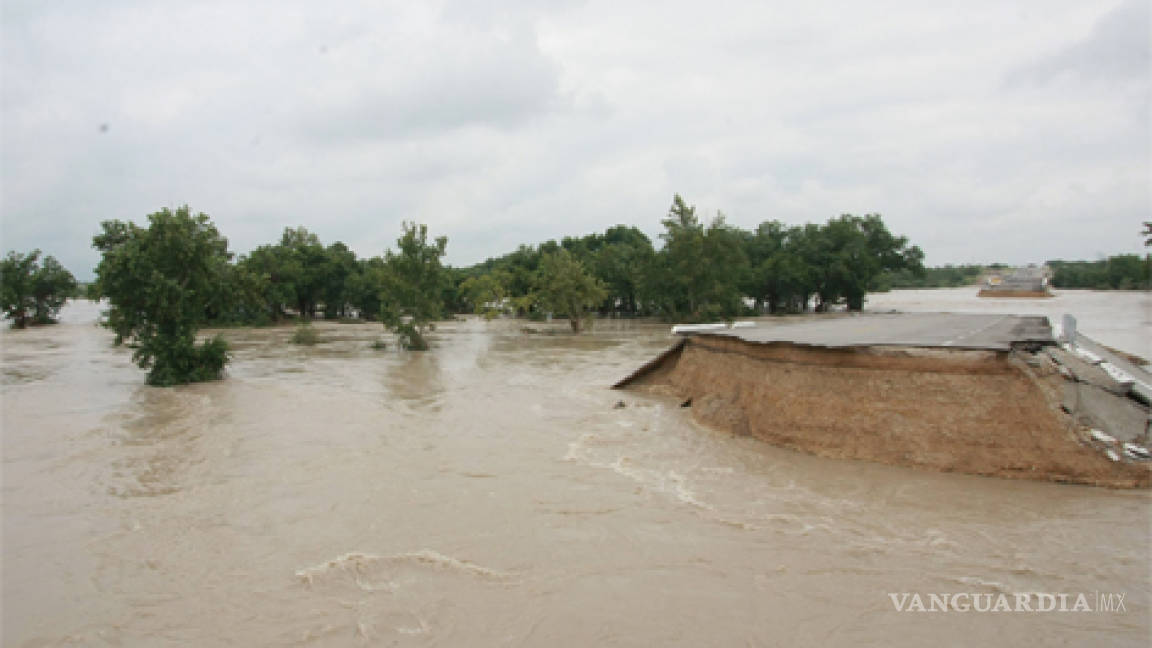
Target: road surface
{"points": [[950, 330]]}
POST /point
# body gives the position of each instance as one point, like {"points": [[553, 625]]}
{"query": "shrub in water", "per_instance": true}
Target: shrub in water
{"points": [[305, 334]]}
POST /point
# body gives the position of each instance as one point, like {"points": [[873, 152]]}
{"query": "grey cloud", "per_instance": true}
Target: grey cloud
{"points": [[1116, 50], [457, 76], [504, 123]]}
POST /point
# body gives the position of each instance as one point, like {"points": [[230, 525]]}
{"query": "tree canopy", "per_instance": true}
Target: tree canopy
{"points": [[31, 290], [176, 275], [565, 288], [412, 285], [161, 281]]}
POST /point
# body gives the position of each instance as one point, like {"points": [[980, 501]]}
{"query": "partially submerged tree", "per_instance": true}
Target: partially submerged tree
{"points": [[487, 293], [412, 290], [31, 290], [160, 281], [52, 285], [565, 288]]}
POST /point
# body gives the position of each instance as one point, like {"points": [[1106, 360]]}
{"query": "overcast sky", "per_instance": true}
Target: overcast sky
{"points": [[983, 130]]}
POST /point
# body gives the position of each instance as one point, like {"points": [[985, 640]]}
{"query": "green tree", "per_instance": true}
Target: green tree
{"points": [[52, 285], [682, 280], [565, 288], [242, 299], [364, 286], [850, 252], [619, 263], [1123, 271], [31, 290], [700, 271], [307, 261], [340, 268], [724, 271], [487, 293], [278, 272], [412, 294], [160, 282], [16, 272]]}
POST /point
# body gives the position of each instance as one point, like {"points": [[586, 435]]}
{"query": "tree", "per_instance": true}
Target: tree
{"points": [[307, 259], [31, 290], [619, 264], [683, 257], [723, 273], [51, 287], [564, 287], [160, 281], [849, 252], [364, 286], [341, 267], [412, 296], [699, 273], [486, 293]]}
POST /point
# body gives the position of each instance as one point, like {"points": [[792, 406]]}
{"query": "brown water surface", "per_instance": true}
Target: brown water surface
{"points": [[489, 493]]}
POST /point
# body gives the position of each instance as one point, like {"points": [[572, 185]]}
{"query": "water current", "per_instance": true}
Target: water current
{"points": [[491, 492]]}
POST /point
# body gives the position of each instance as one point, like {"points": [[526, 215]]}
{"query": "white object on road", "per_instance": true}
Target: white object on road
{"points": [[1088, 356], [681, 329], [1136, 452], [1117, 374], [1103, 437]]}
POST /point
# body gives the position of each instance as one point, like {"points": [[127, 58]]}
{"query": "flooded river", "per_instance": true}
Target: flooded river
{"points": [[489, 492]]}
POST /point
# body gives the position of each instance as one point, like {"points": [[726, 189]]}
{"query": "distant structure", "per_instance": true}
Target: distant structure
{"points": [[1031, 281]]}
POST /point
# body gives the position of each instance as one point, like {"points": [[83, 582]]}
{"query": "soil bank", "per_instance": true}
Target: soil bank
{"points": [[971, 411]]}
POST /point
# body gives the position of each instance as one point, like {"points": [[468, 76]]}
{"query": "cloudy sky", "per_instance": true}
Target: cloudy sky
{"points": [[984, 130]]}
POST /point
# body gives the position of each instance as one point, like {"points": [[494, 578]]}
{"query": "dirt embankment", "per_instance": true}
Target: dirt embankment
{"points": [[979, 412], [1013, 293]]}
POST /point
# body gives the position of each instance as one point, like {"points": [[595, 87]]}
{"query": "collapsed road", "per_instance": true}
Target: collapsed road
{"points": [[982, 394]]}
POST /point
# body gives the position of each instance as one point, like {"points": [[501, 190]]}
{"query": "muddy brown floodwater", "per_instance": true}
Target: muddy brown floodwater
{"points": [[489, 493]]}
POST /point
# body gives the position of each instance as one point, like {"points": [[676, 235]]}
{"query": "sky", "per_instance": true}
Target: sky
{"points": [[983, 131]]}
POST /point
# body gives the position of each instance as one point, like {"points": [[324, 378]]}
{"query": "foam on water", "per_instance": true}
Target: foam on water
{"points": [[361, 563]]}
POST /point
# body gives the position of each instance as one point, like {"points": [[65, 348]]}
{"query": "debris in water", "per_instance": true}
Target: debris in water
{"points": [[620, 405]]}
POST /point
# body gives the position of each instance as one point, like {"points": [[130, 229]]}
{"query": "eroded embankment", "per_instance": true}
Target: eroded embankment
{"points": [[1014, 293], [979, 412]]}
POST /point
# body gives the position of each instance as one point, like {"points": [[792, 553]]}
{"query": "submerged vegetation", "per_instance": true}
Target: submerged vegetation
{"points": [[160, 281], [702, 271], [167, 280], [32, 291], [305, 334], [563, 286], [412, 288]]}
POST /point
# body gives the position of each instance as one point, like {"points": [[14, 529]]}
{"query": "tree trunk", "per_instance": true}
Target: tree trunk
{"points": [[856, 302]]}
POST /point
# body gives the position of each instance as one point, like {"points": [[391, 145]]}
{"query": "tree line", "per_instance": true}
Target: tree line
{"points": [[704, 271], [174, 275], [1120, 272]]}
